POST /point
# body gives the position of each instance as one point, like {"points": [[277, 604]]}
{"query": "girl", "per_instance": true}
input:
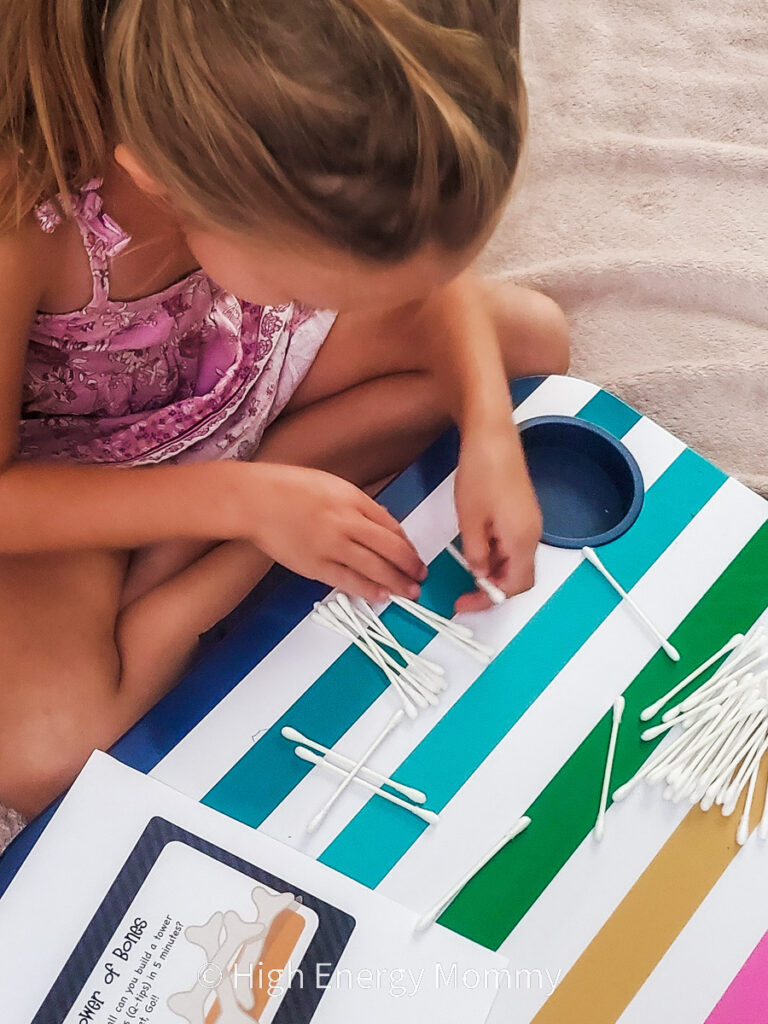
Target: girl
{"points": [[233, 273]]}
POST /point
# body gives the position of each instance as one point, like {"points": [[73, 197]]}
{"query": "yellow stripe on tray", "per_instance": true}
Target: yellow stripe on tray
{"points": [[620, 958]]}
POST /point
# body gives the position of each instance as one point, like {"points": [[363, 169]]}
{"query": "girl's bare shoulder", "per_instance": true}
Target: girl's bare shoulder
{"points": [[26, 257], [25, 264]]}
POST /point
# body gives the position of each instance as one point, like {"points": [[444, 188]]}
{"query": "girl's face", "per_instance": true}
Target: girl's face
{"points": [[260, 271]]}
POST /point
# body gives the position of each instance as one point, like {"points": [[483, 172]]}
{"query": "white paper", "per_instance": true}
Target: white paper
{"points": [[384, 970]]}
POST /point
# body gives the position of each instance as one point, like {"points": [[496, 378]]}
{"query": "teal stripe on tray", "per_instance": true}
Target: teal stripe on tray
{"points": [[266, 774], [378, 836], [609, 412]]}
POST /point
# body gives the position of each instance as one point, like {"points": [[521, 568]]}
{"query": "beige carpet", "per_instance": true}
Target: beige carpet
{"points": [[644, 211], [644, 208]]}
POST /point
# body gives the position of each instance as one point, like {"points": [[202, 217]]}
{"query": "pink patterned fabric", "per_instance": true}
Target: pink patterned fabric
{"points": [[190, 373]]}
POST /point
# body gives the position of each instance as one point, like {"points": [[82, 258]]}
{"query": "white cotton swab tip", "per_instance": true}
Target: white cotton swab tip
{"points": [[652, 709], [341, 761], [421, 812], [496, 594]]}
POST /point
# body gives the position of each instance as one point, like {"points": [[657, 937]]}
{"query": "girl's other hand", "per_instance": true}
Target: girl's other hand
{"points": [[499, 516], [325, 528]]}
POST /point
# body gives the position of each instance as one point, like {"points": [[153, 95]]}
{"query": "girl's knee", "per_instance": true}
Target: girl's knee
{"points": [[533, 331], [554, 334], [46, 739]]}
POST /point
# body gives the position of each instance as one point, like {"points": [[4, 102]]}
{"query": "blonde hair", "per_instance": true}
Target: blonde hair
{"points": [[376, 125]]}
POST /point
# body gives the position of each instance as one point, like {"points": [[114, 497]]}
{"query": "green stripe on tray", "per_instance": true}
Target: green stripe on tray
{"points": [[266, 774], [378, 836], [497, 898]]}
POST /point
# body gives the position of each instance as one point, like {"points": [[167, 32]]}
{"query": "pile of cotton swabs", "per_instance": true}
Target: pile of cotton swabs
{"points": [[723, 734], [417, 680]]}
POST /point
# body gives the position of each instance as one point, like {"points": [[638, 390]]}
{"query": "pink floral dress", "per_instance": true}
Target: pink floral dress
{"points": [[191, 373]]}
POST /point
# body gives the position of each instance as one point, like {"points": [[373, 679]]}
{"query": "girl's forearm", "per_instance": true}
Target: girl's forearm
{"points": [[48, 507], [469, 362]]}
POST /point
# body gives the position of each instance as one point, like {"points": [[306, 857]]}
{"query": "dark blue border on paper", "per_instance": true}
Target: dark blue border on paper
{"points": [[334, 930], [272, 610]]}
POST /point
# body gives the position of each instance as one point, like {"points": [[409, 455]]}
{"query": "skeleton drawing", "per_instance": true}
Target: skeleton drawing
{"points": [[226, 940]]}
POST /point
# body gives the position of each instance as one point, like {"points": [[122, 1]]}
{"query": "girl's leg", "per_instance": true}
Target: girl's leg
{"points": [[79, 668]]}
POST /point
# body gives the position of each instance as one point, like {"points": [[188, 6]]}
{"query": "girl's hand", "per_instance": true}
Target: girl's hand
{"points": [[325, 528], [499, 516]]}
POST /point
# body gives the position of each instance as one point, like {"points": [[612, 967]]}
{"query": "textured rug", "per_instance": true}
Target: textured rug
{"points": [[644, 212], [643, 209]]}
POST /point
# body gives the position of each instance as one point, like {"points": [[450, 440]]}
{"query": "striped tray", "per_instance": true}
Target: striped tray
{"points": [[655, 922]]}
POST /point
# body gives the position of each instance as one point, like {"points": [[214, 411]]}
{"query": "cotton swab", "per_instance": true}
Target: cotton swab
{"points": [[330, 616], [391, 725], [496, 594], [432, 618], [421, 812], [379, 626], [661, 763], [652, 709], [593, 559], [455, 632], [434, 912], [762, 830], [322, 616], [720, 736], [428, 673], [345, 763], [344, 610], [738, 667], [657, 760], [683, 720], [618, 711], [420, 694], [729, 794], [707, 733], [748, 739], [743, 831], [711, 753], [730, 758]]}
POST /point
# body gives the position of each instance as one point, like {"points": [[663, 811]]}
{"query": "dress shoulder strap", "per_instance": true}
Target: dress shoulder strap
{"points": [[102, 236]]}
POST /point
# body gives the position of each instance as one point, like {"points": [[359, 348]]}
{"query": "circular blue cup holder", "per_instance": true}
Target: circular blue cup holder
{"points": [[588, 484]]}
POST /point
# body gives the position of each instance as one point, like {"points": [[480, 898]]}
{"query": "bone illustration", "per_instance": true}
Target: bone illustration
{"points": [[269, 905], [242, 942]]}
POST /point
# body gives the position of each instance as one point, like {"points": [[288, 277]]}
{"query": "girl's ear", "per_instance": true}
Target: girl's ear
{"points": [[131, 164]]}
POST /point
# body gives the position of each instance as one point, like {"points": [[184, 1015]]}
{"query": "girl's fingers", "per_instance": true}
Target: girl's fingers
{"points": [[377, 569], [513, 567], [378, 514], [476, 601], [475, 545], [394, 548], [351, 582]]}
